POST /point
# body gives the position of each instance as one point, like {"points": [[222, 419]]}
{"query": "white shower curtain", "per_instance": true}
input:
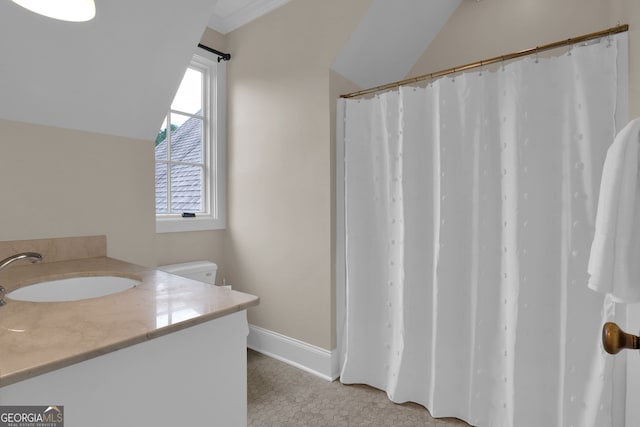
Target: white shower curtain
{"points": [[469, 213]]}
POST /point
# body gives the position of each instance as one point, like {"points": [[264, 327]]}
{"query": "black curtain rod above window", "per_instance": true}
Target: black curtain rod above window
{"points": [[221, 55]]}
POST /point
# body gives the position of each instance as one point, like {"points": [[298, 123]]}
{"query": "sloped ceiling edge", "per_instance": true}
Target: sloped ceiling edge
{"points": [[113, 75], [390, 39]]}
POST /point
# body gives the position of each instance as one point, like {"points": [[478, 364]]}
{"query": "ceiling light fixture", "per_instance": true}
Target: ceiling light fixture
{"points": [[65, 10]]}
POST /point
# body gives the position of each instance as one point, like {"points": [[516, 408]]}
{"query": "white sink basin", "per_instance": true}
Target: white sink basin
{"points": [[73, 289]]}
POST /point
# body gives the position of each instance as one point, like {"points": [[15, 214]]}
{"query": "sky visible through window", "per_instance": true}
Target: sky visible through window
{"points": [[188, 99]]}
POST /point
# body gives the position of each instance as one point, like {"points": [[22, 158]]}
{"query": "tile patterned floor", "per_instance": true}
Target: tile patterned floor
{"points": [[280, 395]]}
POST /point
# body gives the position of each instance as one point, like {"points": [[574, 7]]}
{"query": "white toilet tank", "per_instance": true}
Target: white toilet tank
{"points": [[203, 271]]}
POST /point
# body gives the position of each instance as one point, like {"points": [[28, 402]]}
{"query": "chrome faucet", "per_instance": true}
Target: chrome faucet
{"points": [[34, 257]]}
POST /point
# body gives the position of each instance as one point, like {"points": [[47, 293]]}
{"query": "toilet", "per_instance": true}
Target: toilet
{"points": [[202, 271]]}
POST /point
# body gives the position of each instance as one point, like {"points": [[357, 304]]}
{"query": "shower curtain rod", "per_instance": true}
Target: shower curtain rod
{"points": [[221, 55], [502, 58]]}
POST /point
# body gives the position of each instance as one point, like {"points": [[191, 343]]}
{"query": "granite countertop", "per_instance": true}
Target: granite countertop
{"points": [[38, 337]]}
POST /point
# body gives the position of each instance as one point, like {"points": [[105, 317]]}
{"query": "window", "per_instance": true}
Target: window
{"points": [[190, 153]]}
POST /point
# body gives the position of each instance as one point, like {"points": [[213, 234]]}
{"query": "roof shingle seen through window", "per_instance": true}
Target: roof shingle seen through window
{"points": [[186, 180]]}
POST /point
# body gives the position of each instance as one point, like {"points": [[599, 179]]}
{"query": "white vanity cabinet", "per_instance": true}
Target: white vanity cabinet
{"points": [[192, 377]]}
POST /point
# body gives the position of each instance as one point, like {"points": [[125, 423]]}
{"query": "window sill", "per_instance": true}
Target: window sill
{"points": [[179, 224]]}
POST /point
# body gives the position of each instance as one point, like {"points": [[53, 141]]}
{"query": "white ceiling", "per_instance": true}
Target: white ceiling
{"points": [[390, 39], [113, 75], [231, 14], [117, 73]]}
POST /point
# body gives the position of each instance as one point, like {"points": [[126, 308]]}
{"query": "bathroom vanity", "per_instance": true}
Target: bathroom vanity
{"points": [[168, 352]]}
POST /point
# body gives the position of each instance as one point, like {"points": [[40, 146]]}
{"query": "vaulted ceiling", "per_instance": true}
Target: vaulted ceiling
{"points": [[390, 39], [384, 46], [114, 75], [117, 73]]}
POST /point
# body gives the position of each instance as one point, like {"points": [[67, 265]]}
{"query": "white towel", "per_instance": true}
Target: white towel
{"points": [[614, 264]]}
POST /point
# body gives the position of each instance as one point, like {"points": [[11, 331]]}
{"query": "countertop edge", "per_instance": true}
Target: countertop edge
{"points": [[16, 377]]}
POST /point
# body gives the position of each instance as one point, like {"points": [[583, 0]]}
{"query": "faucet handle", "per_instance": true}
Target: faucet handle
{"points": [[2, 290]]}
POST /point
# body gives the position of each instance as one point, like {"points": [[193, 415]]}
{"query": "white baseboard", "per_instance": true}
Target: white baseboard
{"points": [[318, 361]]}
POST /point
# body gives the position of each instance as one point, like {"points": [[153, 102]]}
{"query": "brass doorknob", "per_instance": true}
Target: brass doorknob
{"points": [[615, 339]]}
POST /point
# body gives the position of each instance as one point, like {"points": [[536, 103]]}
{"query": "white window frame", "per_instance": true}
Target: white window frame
{"points": [[215, 150]]}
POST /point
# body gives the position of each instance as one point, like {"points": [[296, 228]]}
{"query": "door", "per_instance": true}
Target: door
{"points": [[615, 341]]}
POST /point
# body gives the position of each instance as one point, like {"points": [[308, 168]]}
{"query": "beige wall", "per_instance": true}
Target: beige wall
{"points": [[61, 183], [279, 240], [279, 244], [214, 39], [490, 28]]}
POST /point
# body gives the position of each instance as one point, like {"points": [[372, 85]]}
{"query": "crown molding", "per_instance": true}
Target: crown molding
{"points": [[225, 21]]}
